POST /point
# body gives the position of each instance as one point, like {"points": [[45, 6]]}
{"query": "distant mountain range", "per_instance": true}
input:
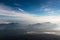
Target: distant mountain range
{"points": [[17, 28], [46, 26]]}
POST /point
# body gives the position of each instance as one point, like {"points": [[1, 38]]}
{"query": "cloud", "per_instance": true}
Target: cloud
{"points": [[8, 11], [21, 16], [15, 15], [51, 12], [51, 8], [16, 4], [20, 28], [43, 27]]}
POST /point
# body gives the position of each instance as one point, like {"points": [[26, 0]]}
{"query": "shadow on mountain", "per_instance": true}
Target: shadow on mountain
{"points": [[31, 37]]}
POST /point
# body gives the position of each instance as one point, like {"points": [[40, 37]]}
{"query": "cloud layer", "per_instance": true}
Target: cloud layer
{"points": [[21, 15]]}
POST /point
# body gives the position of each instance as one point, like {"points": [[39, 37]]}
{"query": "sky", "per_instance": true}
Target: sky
{"points": [[31, 13]]}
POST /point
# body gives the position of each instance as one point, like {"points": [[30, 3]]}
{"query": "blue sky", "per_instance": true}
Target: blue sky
{"points": [[30, 10], [33, 6]]}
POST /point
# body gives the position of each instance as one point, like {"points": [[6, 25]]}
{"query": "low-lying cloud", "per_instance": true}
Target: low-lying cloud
{"points": [[23, 29]]}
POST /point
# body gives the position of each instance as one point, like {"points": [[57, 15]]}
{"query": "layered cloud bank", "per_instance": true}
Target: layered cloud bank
{"points": [[17, 28], [8, 14]]}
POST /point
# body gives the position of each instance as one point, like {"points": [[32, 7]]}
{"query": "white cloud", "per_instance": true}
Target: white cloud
{"points": [[21, 10], [51, 8], [27, 17], [52, 12]]}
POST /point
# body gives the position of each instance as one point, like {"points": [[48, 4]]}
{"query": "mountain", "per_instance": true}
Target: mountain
{"points": [[46, 26], [11, 29], [17, 28]]}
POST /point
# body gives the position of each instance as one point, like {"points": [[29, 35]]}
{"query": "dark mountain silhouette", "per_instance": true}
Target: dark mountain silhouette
{"points": [[46, 26], [11, 29], [16, 31], [32, 37]]}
